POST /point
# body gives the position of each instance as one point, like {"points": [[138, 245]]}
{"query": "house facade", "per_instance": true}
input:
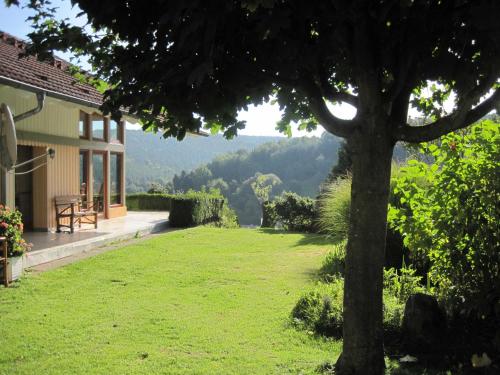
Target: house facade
{"points": [[89, 147]]}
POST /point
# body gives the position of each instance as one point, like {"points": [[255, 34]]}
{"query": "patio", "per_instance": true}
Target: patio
{"points": [[48, 246]]}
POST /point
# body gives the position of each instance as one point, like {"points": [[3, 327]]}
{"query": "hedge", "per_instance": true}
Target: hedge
{"points": [[149, 202], [193, 209]]}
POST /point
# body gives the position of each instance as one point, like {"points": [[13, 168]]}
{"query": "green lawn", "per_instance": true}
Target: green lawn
{"points": [[197, 301]]}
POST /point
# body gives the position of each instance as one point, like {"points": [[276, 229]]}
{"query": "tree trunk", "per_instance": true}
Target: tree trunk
{"points": [[363, 351]]}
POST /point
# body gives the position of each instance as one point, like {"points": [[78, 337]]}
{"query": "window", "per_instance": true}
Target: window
{"points": [[98, 127], [83, 125], [115, 131], [84, 175], [115, 178]]}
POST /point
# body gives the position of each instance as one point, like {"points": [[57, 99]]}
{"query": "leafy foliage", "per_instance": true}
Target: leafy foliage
{"points": [[319, 310], [263, 184], [293, 212], [334, 262], [402, 283], [11, 227], [454, 222]]}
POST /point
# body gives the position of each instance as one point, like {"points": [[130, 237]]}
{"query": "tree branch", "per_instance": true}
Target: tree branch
{"points": [[336, 96], [457, 120], [331, 123]]}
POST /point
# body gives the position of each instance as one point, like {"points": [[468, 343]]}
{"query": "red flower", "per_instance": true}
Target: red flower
{"points": [[4, 225]]}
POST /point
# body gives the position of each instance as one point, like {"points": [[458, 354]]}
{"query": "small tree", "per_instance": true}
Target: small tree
{"points": [[181, 64], [263, 184]]}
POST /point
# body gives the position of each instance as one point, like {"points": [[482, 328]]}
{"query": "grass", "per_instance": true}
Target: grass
{"points": [[197, 301]]}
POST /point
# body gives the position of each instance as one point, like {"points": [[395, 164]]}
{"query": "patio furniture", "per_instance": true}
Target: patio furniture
{"points": [[70, 208], [3, 260]]}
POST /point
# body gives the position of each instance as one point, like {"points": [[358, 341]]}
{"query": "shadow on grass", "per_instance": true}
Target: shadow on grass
{"points": [[306, 238]]}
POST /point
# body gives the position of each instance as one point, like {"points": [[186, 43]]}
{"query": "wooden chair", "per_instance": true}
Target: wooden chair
{"points": [[70, 208], [4, 260]]}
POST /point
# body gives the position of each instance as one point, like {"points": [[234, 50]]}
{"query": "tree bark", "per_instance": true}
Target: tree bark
{"points": [[363, 351]]}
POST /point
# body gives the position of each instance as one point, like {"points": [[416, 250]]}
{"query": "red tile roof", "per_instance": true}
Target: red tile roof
{"points": [[42, 74]]}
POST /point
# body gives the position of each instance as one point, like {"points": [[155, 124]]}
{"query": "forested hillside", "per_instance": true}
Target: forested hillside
{"points": [[300, 163], [153, 159]]}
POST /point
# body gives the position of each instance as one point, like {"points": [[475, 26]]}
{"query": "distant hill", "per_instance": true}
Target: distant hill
{"points": [[151, 158], [302, 164]]}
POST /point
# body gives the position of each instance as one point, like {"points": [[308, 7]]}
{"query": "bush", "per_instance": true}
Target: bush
{"points": [[149, 202], [402, 283], [454, 222], [228, 219], [334, 262], [334, 206], [196, 208], [320, 311], [295, 213], [11, 227]]}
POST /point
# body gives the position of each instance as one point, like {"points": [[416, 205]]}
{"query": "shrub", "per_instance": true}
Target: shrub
{"points": [[295, 213], [320, 310], [269, 218], [11, 227], [453, 223], [196, 208], [402, 283], [228, 219], [334, 262], [149, 202], [334, 206]]}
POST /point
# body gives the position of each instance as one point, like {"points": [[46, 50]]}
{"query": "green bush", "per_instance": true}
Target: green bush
{"points": [[295, 213], [334, 206], [319, 310], [149, 202], [196, 208], [334, 262], [11, 227], [228, 219], [402, 283], [453, 223]]}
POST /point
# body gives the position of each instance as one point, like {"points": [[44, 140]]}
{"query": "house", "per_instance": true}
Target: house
{"points": [[89, 147]]}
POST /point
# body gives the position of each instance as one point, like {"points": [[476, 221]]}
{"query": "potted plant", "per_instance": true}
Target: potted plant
{"points": [[11, 227]]}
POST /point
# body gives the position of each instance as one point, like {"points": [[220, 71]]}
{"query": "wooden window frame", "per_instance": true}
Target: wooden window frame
{"points": [[122, 179], [105, 121], [86, 125]]}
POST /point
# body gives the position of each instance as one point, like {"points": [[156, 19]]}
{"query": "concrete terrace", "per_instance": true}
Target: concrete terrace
{"points": [[48, 247]]}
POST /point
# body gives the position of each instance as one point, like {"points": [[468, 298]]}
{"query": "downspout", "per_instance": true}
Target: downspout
{"points": [[40, 98]]}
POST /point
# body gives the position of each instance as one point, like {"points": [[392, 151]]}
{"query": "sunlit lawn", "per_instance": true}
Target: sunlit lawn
{"points": [[197, 301]]}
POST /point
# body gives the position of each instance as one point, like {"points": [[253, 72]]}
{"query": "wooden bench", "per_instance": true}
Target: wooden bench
{"points": [[70, 208], [3, 260]]}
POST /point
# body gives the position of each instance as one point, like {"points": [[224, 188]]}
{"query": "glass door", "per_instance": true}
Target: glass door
{"points": [[84, 176], [99, 181]]}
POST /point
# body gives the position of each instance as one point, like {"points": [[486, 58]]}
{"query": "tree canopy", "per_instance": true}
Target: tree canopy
{"points": [[179, 63]]}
